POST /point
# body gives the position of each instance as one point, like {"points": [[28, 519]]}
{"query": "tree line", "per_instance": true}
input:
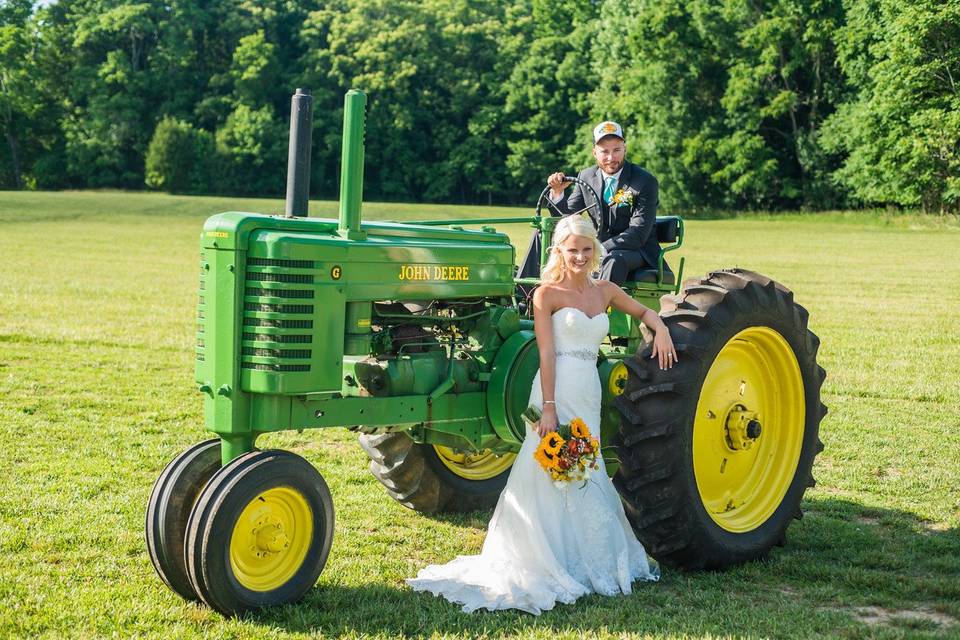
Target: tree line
{"points": [[773, 104]]}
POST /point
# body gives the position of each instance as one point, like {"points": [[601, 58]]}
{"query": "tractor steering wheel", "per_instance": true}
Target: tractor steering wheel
{"points": [[592, 210]]}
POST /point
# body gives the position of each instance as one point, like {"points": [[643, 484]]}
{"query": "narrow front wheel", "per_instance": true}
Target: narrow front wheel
{"points": [[168, 510], [260, 533]]}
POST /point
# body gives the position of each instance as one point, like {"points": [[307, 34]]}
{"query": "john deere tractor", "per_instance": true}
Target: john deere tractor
{"points": [[417, 336]]}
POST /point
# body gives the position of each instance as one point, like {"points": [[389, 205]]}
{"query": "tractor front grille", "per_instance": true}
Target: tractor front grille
{"points": [[262, 337], [278, 324], [201, 310], [277, 353], [279, 368], [278, 293], [284, 343], [278, 310], [302, 278], [286, 264]]}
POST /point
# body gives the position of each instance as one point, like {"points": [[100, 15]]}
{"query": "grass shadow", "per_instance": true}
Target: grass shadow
{"points": [[843, 564]]}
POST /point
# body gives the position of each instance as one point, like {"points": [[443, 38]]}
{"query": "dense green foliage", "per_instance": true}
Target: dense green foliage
{"points": [[730, 98], [900, 132], [731, 103], [180, 158]]}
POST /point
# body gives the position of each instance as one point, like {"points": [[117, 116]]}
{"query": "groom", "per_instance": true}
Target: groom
{"points": [[626, 214]]}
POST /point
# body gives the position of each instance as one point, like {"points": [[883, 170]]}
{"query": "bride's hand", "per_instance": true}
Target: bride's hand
{"points": [[548, 421], [663, 349]]}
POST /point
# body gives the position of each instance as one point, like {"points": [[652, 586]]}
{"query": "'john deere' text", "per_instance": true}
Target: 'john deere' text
{"points": [[431, 272]]}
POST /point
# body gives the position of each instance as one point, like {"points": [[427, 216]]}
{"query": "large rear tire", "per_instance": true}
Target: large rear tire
{"points": [[717, 452], [431, 479]]}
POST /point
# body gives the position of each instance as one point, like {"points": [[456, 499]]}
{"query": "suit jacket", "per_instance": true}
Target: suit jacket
{"points": [[628, 227]]}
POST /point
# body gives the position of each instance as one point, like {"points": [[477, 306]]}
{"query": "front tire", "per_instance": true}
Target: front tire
{"points": [[717, 452], [168, 510], [260, 532]]}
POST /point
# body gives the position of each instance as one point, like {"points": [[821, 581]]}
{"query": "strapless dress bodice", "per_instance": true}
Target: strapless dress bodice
{"points": [[577, 335]]}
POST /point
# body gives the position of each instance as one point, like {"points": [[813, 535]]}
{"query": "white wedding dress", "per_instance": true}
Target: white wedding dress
{"points": [[547, 544]]}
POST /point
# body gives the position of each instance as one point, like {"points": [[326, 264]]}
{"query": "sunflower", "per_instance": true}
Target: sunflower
{"points": [[547, 460], [552, 443], [579, 428]]}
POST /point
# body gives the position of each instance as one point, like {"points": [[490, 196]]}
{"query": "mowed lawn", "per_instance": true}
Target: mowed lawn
{"points": [[96, 394]]}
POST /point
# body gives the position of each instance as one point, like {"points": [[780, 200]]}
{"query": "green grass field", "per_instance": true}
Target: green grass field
{"points": [[96, 395]]}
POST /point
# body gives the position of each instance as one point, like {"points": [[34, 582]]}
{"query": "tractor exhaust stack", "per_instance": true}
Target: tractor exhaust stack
{"points": [[298, 154], [351, 165]]}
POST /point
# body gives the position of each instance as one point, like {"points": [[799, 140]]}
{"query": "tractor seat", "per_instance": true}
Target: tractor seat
{"points": [[667, 230], [650, 275]]}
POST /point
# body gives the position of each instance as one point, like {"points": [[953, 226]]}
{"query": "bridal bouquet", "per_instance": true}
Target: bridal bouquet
{"points": [[568, 454]]}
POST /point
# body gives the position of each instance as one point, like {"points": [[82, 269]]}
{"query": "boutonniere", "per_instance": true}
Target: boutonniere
{"points": [[622, 198]]}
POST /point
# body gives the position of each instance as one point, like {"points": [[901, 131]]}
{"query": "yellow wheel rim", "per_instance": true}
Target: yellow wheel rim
{"points": [[482, 465], [271, 539], [618, 379], [748, 429]]}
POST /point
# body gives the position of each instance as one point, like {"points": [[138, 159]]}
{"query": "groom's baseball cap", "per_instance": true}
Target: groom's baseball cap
{"points": [[607, 128]]}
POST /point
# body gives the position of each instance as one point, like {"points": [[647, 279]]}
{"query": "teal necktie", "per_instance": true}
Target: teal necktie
{"points": [[609, 188]]}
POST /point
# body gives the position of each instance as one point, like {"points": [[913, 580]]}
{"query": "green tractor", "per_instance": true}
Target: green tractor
{"points": [[417, 337]]}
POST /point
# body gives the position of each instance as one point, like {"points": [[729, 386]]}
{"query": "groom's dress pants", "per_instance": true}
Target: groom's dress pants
{"points": [[619, 263]]}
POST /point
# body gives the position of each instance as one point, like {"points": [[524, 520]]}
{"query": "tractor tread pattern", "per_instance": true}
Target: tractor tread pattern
{"points": [[412, 475], [657, 410]]}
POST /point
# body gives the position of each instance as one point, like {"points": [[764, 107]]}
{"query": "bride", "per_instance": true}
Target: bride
{"points": [[547, 544]]}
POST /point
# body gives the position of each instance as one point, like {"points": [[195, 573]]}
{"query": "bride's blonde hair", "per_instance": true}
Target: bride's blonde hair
{"points": [[574, 225]]}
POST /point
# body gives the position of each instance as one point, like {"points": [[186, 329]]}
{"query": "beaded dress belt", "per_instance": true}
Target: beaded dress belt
{"points": [[580, 354]]}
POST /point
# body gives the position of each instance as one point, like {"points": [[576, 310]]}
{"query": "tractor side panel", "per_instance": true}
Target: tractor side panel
{"points": [[293, 324], [307, 297]]}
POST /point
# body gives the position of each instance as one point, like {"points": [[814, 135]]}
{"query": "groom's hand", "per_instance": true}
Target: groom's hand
{"points": [[557, 185]]}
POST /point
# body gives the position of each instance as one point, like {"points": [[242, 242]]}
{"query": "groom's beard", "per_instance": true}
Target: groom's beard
{"points": [[611, 168]]}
